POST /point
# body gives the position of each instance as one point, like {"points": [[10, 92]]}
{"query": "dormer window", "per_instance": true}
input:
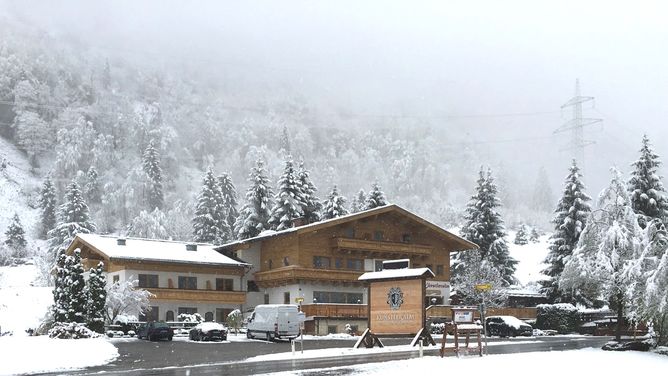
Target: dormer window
{"points": [[406, 238]]}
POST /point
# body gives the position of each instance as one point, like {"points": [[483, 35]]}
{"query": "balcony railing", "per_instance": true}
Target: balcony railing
{"points": [[293, 273], [335, 310], [380, 247], [231, 297]]}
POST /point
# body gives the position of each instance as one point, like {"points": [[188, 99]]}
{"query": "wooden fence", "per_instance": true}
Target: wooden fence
{"points": [[444, 311]]}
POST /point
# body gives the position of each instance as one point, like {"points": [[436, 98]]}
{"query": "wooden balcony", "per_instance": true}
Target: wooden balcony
{"points": [[294, 274], [380, 249], [214, 296], [357, 311]]}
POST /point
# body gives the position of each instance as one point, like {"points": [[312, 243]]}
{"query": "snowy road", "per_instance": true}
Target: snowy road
{"points": [[187, 358]]}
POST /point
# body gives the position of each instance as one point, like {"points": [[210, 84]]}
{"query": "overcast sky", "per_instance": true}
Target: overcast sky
{"points": [[418, 58]]}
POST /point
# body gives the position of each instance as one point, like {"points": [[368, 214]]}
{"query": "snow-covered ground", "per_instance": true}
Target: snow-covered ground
{"points": [[22, 355], [555, 363], [22, 305]]}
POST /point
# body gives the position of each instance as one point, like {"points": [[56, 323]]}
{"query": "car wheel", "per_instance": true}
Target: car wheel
{"points": [[169, 338], [249, 335]]}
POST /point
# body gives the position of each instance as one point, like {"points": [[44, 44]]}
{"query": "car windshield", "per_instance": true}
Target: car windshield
{"points": [[160, 325]]}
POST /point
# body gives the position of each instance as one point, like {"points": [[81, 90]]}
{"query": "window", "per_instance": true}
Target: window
{"points": [[148, 280], [321, 262], [116, 278], [338, 263], [152, 314], [350, 232], [221, 314], [331, 329], [337, 297], [286, 297], [187, 310], [269, 264], [406, 238], [251, 286], [169, 316], [355, 264], [266, 298], [286, 261], [208, 316], [378, 235], [188, 283], [224, 284], [439, 269], [378, 265]]}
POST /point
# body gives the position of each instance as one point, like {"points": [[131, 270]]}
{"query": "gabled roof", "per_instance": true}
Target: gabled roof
{"points": [[396, 274], [462, 244], [152, 250]]}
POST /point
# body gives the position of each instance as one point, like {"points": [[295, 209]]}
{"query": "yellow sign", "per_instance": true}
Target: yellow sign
{"points": [[483, 286], [299, 300]]}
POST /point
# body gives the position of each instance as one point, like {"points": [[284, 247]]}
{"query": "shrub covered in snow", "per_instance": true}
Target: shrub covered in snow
{"points": [[71, 330], [195, 317], [562, 317]]}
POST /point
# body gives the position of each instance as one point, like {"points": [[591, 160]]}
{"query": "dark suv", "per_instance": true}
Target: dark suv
{"points": [[507, 326], [154, 331]]}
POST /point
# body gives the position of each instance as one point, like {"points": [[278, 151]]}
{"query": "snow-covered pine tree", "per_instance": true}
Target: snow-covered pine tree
{"points": [[15, 236], [375, 198], [358, 202], [229, 194], [521, 235], [47, 202], [648, 196], [288, 200], [92, 190], [76, 286], [484, 227], [61, 298], [151, 166], [73, 219], [334, 206], [209, 225], [609, 242], [570, 219], [310, 206], [535, 236], [254, 215], [149, 225], [285, 141], [96, 298]]}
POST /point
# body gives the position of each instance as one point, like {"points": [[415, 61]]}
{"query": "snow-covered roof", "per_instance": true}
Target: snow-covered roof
{"points": [[396, 273], [155, 250], [465, 244], [524, 292]]}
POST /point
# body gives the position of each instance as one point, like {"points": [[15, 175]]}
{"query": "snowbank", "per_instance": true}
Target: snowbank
{"points": [[22, 306], [44, 354], [524, 364]]}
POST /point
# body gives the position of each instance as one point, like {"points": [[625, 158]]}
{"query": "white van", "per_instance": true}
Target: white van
{"points": [[272, 321]]}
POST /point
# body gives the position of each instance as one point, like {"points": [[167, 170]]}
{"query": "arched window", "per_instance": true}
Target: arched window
{"points": [[208, 316], [169, 316]]}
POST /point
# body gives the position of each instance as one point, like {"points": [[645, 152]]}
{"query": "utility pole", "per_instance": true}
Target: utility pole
{"points": [[576, 125]]}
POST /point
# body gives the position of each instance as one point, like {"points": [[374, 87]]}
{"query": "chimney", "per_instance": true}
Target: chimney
{"points": [[120, 241], [191, 247]]}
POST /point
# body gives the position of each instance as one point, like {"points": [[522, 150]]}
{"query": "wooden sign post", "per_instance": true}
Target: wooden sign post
{"points": [[396, 305]]}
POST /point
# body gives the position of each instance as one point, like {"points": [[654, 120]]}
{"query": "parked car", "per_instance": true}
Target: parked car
{"points": [[208, 331], [155, 330], [507, 326], [273, 321]]}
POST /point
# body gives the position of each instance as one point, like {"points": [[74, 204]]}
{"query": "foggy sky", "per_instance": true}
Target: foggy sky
{"points": [[451, 61]]}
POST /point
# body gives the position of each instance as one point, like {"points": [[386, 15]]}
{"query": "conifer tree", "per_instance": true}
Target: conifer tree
{"points": [[76, 286], [648, 196], [358, 202], [521, 236], [285, 141], [570, 219], [229, 196], [92, 190], [15, 236], [209, 225], [311, 205], [61, 298], [334, 205], [47, 202], [151, 165], [254, 216], [73, 218], [375, 198], [288, 199], [484, 226], [96, 298], [535, 236]]}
